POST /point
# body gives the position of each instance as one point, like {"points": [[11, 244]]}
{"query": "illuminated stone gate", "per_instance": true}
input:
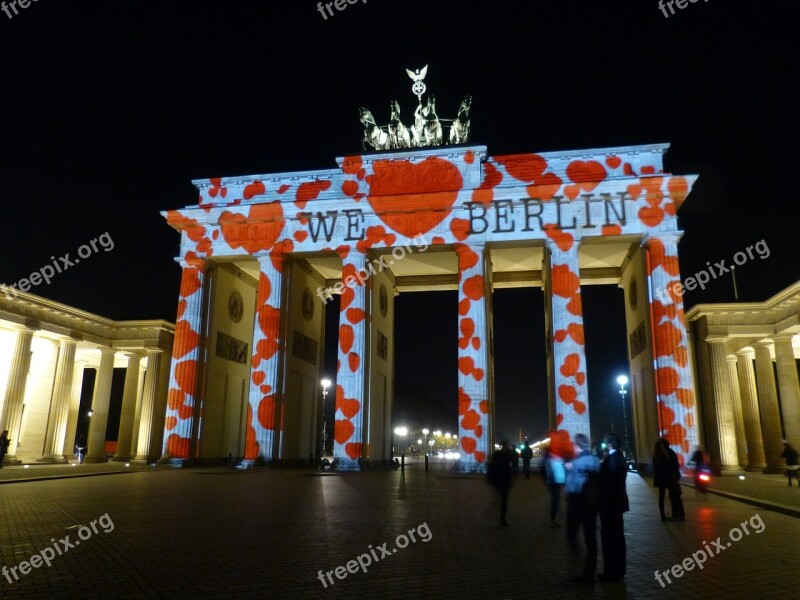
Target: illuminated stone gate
{"points": [[259, 252]]}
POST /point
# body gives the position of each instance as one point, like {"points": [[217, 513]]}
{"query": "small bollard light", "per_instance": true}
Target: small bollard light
{"points": [[741, 477], [27, 466]]}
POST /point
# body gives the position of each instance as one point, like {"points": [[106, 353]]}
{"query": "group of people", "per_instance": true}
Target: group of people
{"points": [[594, 488]]}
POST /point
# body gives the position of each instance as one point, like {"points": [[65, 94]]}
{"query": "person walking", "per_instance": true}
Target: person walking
{"points": [[701, 467], [4, 444], [581, 487], [667, 478], [500, 476], [789, 455], [556, 478], [81, 446], [514, 461], [613, 504], [527, 455]]}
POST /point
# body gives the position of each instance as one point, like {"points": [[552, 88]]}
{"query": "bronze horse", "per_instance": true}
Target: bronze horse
{"points": [[459, 131], [399, 136], [373, 135]]}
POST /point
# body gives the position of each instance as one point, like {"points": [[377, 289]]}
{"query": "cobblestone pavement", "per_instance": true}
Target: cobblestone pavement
{"points": [[221, 533]]}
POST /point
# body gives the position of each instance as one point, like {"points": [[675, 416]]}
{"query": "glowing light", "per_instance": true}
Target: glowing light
{"points": [[27, 466], [325, 383], [741, 477], [704, 478], [401, 431], [622, 380]]}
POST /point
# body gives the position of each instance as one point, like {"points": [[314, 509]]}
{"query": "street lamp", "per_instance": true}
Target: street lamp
{"points": [[622, 380], [325, 383], [425, 433], [401, 432]]}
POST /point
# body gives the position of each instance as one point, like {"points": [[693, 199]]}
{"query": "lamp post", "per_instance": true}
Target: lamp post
{"points": [[425, 433], [401, 432], [622, 380], [325, 383]]}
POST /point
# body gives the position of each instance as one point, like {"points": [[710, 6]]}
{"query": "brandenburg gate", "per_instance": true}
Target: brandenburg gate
{"points": [[257, 250], [262, 254]]}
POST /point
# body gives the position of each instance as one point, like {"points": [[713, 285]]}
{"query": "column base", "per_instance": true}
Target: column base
{"points": [[52, 460], [346, 464], [755, 468], [774, 471], [122, 459], [731, 470], [11, 461], [471, 466], [143, 460], [95, 459]]}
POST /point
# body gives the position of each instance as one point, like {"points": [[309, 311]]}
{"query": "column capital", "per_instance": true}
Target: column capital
{"points": [[28, 326], [106, 350], [763, 344], [345, 252], [192, 262], [746, 353], [783, 336], [731, 358], [554, 248], [670, 236], [716, 339]]}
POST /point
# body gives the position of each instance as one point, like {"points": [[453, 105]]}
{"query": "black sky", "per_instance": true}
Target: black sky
{"points": [[108, 110]]}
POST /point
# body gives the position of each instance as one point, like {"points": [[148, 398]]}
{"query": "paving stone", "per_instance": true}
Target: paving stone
{"points": [[218, 533]]}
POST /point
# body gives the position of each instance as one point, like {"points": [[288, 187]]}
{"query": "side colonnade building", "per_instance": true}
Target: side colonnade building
{"points": [[747, 354], [261, 254], [45, 347]]}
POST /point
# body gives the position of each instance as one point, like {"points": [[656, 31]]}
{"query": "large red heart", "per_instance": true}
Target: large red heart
{"points": [[430, 187], [259, 231]]}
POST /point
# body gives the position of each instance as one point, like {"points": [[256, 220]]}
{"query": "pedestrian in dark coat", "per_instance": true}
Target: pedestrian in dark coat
{"points": [[667, 478], [500, 476], [582, 504], [613, 505], [4, 444], [789, 455], [527, 455]]}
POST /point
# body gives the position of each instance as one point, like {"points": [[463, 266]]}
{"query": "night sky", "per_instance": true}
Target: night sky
{"points": [[108, 110]]}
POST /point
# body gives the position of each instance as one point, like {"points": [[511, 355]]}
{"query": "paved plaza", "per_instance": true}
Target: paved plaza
{"points": [[222, 533]]}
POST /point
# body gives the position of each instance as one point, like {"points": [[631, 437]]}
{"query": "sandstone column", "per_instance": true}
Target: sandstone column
{"points": [[724, 446], [789, 388], [125, 436], [15, 392], [59, 403], [768, 400], [751, 414], [146, 418], [96, 442], [74, 408], [474, 357], [348, 431], [738, 419]]}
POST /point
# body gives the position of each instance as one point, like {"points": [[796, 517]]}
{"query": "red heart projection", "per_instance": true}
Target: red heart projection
{"points": [[399, 186], [261, 233]]}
